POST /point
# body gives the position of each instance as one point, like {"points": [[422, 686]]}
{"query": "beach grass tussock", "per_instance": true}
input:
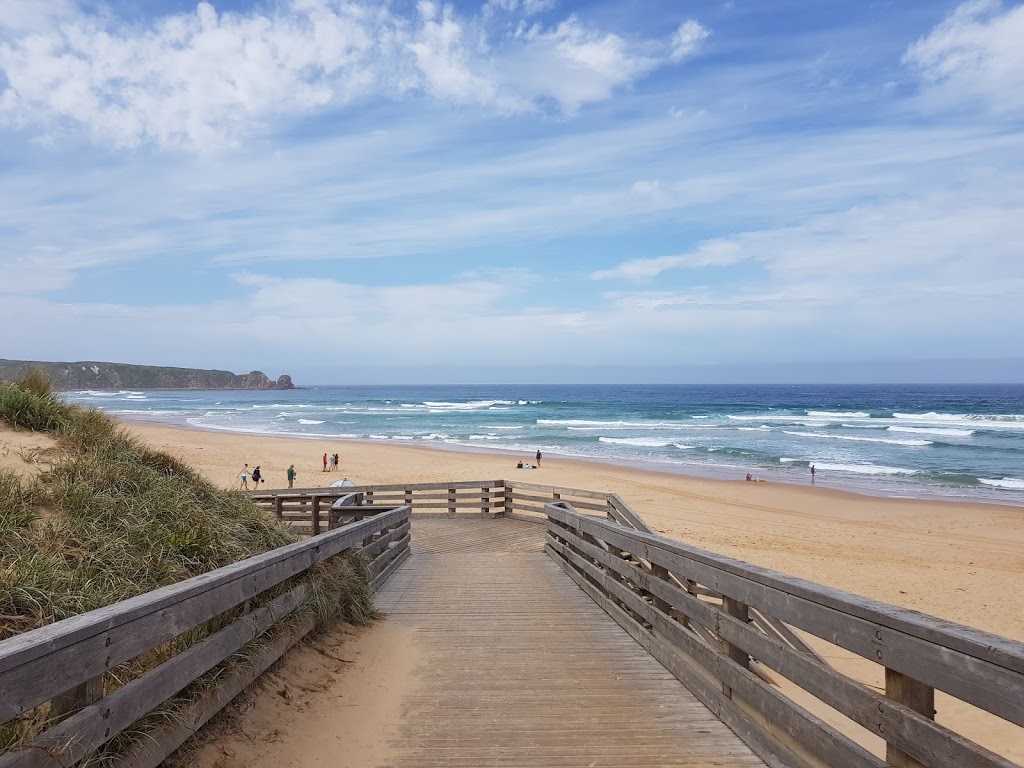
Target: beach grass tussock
{"points": [[123, 519]]}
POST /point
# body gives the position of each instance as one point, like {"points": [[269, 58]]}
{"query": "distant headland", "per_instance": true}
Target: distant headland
{"points": [[87, 374]]}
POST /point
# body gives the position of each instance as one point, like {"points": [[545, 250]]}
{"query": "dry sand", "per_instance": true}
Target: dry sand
{"points": [[959, 561]]}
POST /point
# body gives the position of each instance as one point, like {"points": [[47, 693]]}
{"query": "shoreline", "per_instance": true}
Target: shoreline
{"points": [[691, 472]]}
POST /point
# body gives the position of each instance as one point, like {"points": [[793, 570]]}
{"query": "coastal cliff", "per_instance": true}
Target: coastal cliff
{"points": [[97, 375]]}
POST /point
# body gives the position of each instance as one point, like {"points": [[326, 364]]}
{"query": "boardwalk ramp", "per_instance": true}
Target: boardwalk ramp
{"points": [[520, 669]]}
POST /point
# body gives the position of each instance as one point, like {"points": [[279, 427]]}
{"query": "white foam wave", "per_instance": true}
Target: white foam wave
{"points": [[472, 405], [499, 426], [1010, 483], [589, 424], [785, 460], [309, 421], [762, 428], [104, 394], [144, 411], [484, 437], [640, 442], [851, 438], [864, 469], [934, 431], [993, 421], [839, 414]]}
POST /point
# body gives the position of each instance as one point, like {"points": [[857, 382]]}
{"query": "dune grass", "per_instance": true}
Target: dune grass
{"points": [[111, 518]]}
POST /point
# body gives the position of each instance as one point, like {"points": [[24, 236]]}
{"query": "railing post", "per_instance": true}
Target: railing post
{"points": [[451, 502], [915, 695], [369, 497], [77, 698], [408, 498], [485, 501], [279, 507], [509, 510], [737, 610], [316, 515]]}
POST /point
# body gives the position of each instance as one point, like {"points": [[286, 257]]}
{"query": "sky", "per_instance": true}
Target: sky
{"points": [[516, 190]]}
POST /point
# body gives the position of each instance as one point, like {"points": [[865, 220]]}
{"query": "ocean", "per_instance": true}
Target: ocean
{"points": [[956, 442]]}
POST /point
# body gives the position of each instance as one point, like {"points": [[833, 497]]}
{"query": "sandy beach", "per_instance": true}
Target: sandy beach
{"points": [[959, 561], [950, 559]]}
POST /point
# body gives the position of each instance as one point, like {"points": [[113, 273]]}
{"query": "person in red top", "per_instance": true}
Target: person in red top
{"points": [[325, 462]]}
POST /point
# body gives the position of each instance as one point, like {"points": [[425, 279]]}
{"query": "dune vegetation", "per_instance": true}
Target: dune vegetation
{"points": [[105, 517]]}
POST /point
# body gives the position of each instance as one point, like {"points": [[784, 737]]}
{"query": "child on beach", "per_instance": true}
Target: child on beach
{"points": [[243, 477]]}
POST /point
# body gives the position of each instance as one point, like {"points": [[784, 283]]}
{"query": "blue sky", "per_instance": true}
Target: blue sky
{"points": [[516, 189]]}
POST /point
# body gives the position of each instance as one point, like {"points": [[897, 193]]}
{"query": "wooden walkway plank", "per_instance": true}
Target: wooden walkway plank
{"points": [[521, 669]]}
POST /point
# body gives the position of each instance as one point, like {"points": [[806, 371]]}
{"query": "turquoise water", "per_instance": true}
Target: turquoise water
{"points": [[954, 442]]}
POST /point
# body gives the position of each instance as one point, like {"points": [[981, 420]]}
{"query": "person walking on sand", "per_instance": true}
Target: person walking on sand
{"points": [[243, 478], [291, 475], [538, 459], [257, 477], [325, 462]]}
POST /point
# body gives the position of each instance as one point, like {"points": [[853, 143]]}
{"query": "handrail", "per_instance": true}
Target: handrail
{"points": [[920, 653], [45, 663]]}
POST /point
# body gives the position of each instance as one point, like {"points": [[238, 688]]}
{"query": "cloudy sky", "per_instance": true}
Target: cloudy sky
{"points": [[622, 190]]}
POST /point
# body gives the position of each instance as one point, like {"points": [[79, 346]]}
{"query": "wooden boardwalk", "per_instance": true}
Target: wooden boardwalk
{"points": [[521, 668]]}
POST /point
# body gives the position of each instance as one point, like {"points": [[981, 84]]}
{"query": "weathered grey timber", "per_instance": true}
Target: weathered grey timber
{"points": [[638, 579], [72, 655], [520, 671]]}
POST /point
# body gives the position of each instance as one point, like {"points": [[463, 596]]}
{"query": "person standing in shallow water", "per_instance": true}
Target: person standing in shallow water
{"points": [[812, 473], [538, 458]]}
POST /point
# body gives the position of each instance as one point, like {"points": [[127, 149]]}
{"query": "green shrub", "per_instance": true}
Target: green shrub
{"points": [[123, 519], [25, 409]]}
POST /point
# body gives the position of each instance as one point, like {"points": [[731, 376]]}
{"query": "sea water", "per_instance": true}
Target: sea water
{"points": [[949, 441]]}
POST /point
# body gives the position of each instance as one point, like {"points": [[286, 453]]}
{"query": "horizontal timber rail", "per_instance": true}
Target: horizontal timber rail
{"points": [[60, 672], [309, 509], [713, 622]]}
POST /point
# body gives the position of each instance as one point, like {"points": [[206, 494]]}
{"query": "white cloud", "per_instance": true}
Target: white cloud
{"points": [[204, 79], [686, 38], [977, 54], [714, 253], [922, 266]]}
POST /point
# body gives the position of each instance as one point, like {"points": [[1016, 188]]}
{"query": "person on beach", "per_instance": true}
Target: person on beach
{"points": [[291, 475], [325, 462], [257, 478], [337, 460], [243, 478], [538, 458], [812, 473]]}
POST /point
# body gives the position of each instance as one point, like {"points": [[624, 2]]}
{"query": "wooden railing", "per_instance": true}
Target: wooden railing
{"points": [[309, 509], [63, 665], [714, 623], [722, 627]]}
